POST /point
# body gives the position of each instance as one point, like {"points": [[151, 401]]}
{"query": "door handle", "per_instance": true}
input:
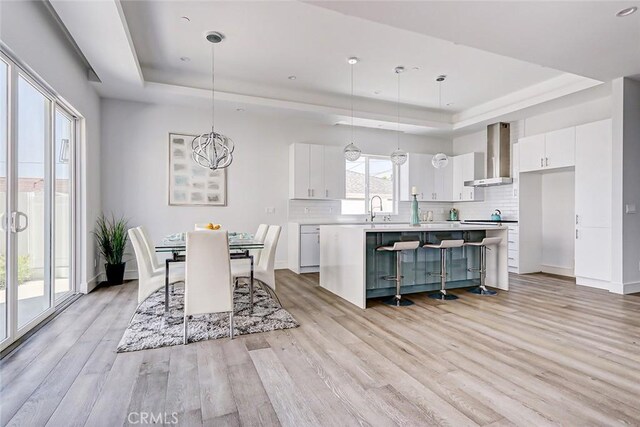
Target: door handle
{"points": [[15, 222]]}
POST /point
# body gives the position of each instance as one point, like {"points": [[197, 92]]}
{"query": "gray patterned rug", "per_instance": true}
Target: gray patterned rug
{"points": [[150, 327]]}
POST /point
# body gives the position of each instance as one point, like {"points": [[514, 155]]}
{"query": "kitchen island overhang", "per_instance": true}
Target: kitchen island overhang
{"points": [[351, 268]]}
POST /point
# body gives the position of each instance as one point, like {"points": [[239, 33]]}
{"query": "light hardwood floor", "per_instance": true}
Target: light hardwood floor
{"points": [[546, 352]]}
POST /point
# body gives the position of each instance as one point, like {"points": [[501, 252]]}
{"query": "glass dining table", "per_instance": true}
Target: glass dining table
{"points": [[241, 246]]}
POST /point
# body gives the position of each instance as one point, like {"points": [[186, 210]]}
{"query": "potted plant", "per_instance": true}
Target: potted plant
{"points": [[111, 237]]}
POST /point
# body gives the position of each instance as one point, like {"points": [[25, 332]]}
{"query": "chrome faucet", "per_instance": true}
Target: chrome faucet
{"points": [[373, 214]]}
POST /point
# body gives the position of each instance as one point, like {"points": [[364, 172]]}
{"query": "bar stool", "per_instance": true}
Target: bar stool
{"points": [[483, 245], [443, 246], [397, 249]]}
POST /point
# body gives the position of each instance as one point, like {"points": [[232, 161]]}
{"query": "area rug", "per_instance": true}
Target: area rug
{"points": [[151, 327]]}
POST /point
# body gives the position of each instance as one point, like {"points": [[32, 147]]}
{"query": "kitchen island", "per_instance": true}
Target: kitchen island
{"points": [[351, 268]]}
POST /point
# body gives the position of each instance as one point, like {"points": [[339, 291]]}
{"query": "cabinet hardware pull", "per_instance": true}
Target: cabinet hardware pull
{"points": [[577, 220], [512, 258], [308, 192], [541, 162], [326, 193], [546, 159], [577, 234]]}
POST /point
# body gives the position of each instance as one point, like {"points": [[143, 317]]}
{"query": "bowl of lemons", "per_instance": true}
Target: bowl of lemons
{"points": [[212, 226]]}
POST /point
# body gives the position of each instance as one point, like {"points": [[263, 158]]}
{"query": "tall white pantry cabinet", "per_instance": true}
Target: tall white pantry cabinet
{"points": [[593, 194]]}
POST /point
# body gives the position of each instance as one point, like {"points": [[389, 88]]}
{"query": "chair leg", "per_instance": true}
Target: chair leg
{"points": [[186, 335], [231, 320], [442, 294], [397, 300], [482, 289]]}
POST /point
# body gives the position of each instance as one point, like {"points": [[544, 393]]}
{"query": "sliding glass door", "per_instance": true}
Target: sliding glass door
{"points": [[37, 139], [4, 135]]}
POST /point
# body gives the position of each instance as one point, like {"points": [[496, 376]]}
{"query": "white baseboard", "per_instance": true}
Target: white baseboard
{"points": [[593, 283], [281, 265], [91, 284], [625, 288], [560, 271]]}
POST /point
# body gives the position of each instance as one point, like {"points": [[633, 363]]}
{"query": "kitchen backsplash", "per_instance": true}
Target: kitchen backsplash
{"points": [[499, 197], [330, 210]]}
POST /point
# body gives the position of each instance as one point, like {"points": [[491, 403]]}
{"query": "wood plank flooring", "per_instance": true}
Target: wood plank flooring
{"points": [[547, 352]]}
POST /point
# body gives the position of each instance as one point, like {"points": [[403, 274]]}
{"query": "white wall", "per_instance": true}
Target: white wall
{"points": [[558, 222], [626, 181], [28, 29], [135, 161]]}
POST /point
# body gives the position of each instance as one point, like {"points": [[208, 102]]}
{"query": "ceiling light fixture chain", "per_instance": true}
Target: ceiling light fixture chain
{"points": [[440, 160], [213, 150], [351, 152], [398, 157]]}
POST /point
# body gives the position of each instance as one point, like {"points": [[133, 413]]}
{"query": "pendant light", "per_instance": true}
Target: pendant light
{"points": [[440, 160], [351, 151], [213, 150], [398, 157]]}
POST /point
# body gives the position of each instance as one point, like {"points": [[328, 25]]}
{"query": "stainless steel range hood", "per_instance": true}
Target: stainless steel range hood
{"points": [[498, 157]]}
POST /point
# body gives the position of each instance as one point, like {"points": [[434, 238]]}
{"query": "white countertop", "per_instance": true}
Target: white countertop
{"points": [[372, 228]]}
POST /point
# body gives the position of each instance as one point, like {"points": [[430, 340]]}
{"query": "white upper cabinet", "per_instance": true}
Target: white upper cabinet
{"points": [[548, 150], [417, 172], [443, 183], [531, 153], [593, 174], [467, 167], [560, 148], [334, 173], [316, 172]]}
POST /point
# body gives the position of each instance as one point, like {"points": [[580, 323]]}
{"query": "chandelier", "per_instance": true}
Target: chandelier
{"points": [[213, 150]]}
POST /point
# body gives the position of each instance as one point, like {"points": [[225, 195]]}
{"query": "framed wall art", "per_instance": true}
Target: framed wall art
{"points": [[189, 183]]}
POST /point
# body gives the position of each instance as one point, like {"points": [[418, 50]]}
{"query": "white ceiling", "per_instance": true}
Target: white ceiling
{"points": [[268, 41], [580, 37]]}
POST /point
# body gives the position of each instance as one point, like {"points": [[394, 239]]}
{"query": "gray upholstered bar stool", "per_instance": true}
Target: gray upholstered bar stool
{"points": [[483, 245], [443, 247], [397, 249]]}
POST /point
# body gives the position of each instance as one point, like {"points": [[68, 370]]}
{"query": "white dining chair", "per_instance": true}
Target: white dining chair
{"points": [[264, 271], [149, 280], [243, 264], [208, 286], [176, 270], [260, 235]]}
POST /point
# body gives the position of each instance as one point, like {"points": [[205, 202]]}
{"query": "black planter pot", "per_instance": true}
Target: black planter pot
{"points": [[115, 273]]}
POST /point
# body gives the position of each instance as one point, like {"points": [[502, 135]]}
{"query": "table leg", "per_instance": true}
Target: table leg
{"points": [[251, 286], [166, 286]]}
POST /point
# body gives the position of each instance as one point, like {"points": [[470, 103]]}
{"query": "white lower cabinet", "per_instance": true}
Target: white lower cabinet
{"points": [[593, 253], [304, 247], [310, 249]]}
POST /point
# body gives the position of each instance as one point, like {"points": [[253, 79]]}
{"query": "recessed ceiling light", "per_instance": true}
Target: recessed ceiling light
{"points": [[292, 77], [185, 59], [441, 78], [240, 109], [626, 12], [185, 19], [377, 92], [416, 68], [449, 104]]}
